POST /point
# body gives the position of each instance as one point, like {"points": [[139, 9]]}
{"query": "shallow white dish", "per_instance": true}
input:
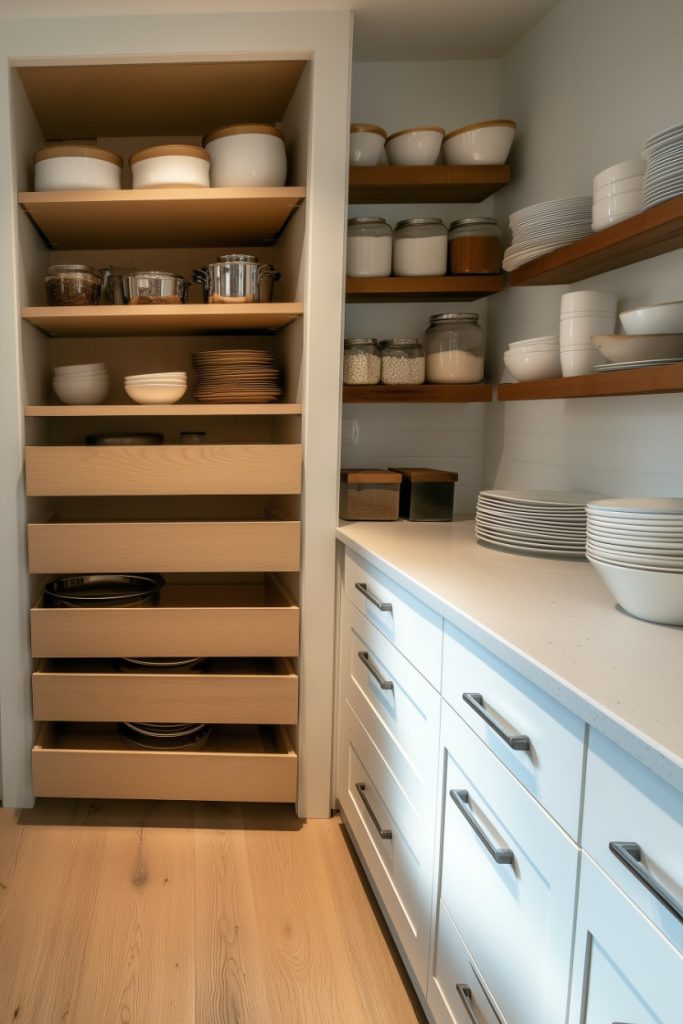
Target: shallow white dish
{"points": [[550, 499], [524, 549], [486, 142], [627, 560], [413, 147], [546, 338], [366, 144], [648, 506], [644, 593], [634, 364], [618, 348], [664, 318], [155, 394], [533, 365]]}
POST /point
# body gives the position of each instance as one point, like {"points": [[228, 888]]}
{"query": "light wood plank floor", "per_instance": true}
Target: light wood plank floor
{"points": [[158, 913]]}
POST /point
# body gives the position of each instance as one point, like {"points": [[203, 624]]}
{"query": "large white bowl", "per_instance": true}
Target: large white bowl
{"points": [[620, 348], [588, 302], [366, 144], [155, 394], [247, 155], [487, 142], [414, 146], [664, 318], [618, 188], [88, 390], [644, 593], [538, 365], [634, 168], [79, 368]]}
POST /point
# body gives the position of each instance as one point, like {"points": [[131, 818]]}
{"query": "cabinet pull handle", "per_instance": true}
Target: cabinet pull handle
{"points": [[630, 856], [385, 684], [476, 702], [501, 854], [384, 833], [465, 993], [382, 605]]}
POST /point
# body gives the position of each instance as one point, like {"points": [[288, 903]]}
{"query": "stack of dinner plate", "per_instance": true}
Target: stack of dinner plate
{"points": [[550, 523], [664, 171], [165, 735], [236, 375], [544, 227]]}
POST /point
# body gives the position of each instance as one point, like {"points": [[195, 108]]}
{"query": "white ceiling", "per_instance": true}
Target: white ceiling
{"points": [[384, 29]]}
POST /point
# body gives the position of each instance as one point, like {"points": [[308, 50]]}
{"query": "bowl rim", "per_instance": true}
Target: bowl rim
{"points": [[495, 123], [356, 128], [420, 128]]}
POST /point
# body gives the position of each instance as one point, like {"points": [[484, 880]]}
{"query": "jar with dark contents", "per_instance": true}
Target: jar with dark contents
{"points": [[73, 284], [474, 246]]}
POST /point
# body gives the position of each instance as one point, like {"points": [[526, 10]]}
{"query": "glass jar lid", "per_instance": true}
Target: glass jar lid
{"points": [[413, 222], [366, 220], [157, 275], [72, 268], [402, 342], [467, 222], [454, 318], [351, 342], [237, 257]]}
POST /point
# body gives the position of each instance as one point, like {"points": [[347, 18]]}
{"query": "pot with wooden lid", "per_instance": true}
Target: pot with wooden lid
{"points": [[66, 167], [171, 166], [247, 155]]}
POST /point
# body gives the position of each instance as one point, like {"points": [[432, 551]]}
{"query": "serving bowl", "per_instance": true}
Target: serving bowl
{"points": [[366, 144], [414, 146], [619, 348], [81, 389], [664, 318], [247, 155], [155, 394], [486, 142], [533, 365], [649, 594]]}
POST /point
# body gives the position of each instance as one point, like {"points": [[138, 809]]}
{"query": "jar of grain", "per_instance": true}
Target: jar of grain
{"points": [[420, 247], [455, 346], [368, 247], [362, 361], [73, 284], [403, 361], [474, 246]]}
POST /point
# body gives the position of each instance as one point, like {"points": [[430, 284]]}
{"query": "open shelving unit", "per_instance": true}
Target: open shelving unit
{"points": [[436, 184], [153, 321], [381, 393], [649, 380], [461, 288]]}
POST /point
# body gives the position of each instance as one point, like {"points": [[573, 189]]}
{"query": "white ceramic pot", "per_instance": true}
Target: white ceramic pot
{"points": [[62, 167], [575, 362], [247, 155], [617, 208], [618, 172], [366, 145], [414, 146], [171, 166], [588, 302], [487, 142], [617, 188]]}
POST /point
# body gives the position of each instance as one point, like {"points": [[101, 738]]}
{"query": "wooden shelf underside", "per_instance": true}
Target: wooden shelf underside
{"points": [[187, 409], [383, 393], [461, 288], [151, 321], [437, 184], [644, 381]]}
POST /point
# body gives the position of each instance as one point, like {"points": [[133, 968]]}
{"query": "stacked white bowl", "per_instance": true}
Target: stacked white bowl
{"points": [[583, 314], [156, 388], [617, 193], [534, 358], [636, 544], [82, 384]]}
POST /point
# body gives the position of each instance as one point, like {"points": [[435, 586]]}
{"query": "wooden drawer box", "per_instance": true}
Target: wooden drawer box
{"points": [[220, 621], [240, 763], [257, 692], [270, 546], [82, 470]]}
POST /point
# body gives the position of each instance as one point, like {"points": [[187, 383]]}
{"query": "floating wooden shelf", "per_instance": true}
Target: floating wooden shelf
{"points": [[151, 321], [159, 218], [438, 184], [462, 288], [188, 409], [650, 233], [650, 380], [382, 393]]}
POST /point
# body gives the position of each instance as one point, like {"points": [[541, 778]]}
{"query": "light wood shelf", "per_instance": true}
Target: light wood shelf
{"points": [[184, 409], [650, 380], [382, 393], [437, 184], [152, 321], [460, 288]]}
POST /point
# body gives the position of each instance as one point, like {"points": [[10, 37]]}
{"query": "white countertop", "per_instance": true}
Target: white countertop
{"points": [[554, 621]]}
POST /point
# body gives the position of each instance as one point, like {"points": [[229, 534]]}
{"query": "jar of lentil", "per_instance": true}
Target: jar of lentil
{"points": [[368, 247], [403, 361], [362, 361], [73, 284], [420, 247], [455, 346], [474, 246]]}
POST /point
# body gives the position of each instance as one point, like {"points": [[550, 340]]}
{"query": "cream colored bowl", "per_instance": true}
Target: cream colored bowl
{"points": [[155, 394], [414, 146], [623, 348], [487, 142]]}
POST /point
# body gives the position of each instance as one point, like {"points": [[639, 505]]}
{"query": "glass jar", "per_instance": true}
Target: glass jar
{"points": [[420, 247], [474, 246], [403, 361], [455, 347], [362, 361], [73, 284], [368, 247]]}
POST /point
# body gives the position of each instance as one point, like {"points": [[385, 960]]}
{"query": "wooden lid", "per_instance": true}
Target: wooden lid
{"points": [[243, 129], [375, 128], [428, 476], [178, 149], [371, 476], [481, 124], [421, 128], [66, 149]]}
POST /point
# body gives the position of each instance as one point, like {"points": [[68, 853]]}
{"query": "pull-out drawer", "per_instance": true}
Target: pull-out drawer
{"points": [[633, 828], [163, 469], [535, 737], [269, 546], [258, 692], [220, 621], [414, 629], [239, 763]]}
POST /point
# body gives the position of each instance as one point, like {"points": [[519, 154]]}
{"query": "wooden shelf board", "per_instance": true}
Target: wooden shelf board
{"points": [[643, 381], [181, 409], [437, 184], [382, 393], [650, 233], [460, 288], [150, 321], [161, 217]]}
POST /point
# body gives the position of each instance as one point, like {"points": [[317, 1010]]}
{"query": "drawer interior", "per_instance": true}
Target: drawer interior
{"points": [[104, 736]]}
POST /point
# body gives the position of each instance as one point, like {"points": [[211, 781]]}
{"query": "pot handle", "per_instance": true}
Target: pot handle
{"points": [[199, 276]]}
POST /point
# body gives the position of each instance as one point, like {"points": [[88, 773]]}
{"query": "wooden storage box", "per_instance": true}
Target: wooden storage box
{"points": [[369, 494], [426, 495]]}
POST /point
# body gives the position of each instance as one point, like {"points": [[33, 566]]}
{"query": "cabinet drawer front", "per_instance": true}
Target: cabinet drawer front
{"points": [[552, 766], [163, 469], [625, 803], [524, 945], [624, 969], [414, 629], [163, 547]]}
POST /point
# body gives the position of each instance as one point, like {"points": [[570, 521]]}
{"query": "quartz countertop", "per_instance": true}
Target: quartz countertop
{"points": [[552, 620]]}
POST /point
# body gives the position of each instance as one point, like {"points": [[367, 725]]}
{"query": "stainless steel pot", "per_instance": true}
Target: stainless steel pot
{"points": [[233, 278], [153, 287]]}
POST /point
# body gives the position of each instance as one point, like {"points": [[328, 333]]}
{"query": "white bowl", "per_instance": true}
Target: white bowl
{"points": [[487, 142], [620, 348], [64, 167], [366, 144], [247, 155], [618, 207], [547, 339], [588, 302], [414, 146], [533, 365], [158, 394], [165, 375], [61, 371], [543, 347], [634, 168], [576, 362], [81, 391], [618, 188], [664, 318], [646, 594], [578, 332], [175, 165]]}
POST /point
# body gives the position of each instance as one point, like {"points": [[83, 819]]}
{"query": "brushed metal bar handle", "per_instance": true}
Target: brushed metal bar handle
{"points": [[385, 684], [384, 833], [501, 854], [476, 702], [465, 993], [630, 855], [382, 605]]}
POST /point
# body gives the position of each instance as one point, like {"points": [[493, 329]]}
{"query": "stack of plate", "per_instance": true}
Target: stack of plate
{"points": [[636, 544], [664, 172], [550, 523], [165, 735], [235, 375], [544, 227]]}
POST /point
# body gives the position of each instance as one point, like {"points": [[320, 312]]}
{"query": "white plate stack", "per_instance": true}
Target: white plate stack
{"points": [[549, 523], [583, 314], [544, 227], [636, 545], [664, 172], [618, 193]]}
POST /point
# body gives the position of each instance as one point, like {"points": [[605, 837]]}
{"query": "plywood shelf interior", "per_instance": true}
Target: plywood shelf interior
{"points": [[180, 409], [437, 184], [461, 288], [151, 321], [383, 393], [648, 380]]}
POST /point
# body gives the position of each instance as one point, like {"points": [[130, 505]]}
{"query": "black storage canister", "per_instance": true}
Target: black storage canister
{"points": [[426, 495]]}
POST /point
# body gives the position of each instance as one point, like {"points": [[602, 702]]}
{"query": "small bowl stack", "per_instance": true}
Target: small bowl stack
{"points": [[534, 359], [636, 545], [156, 388], [617, 193], [583, 314], [84, 384]]}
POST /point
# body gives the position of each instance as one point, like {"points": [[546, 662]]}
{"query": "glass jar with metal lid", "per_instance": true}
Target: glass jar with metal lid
{"points": [[455, 346], [403, 361], [420, 247], [474, 246], [368, 247], [73, 284], [362, 361]]}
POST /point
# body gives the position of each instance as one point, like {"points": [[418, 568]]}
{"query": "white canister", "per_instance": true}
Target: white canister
{"points": [[588, 302], [366, 144], [368, 247], [170, 166], [420, 247], [578, 355], [62, 167], [244, 155]]}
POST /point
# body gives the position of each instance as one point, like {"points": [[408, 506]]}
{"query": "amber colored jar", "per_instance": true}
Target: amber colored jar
{"points": [[474, 246]]}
